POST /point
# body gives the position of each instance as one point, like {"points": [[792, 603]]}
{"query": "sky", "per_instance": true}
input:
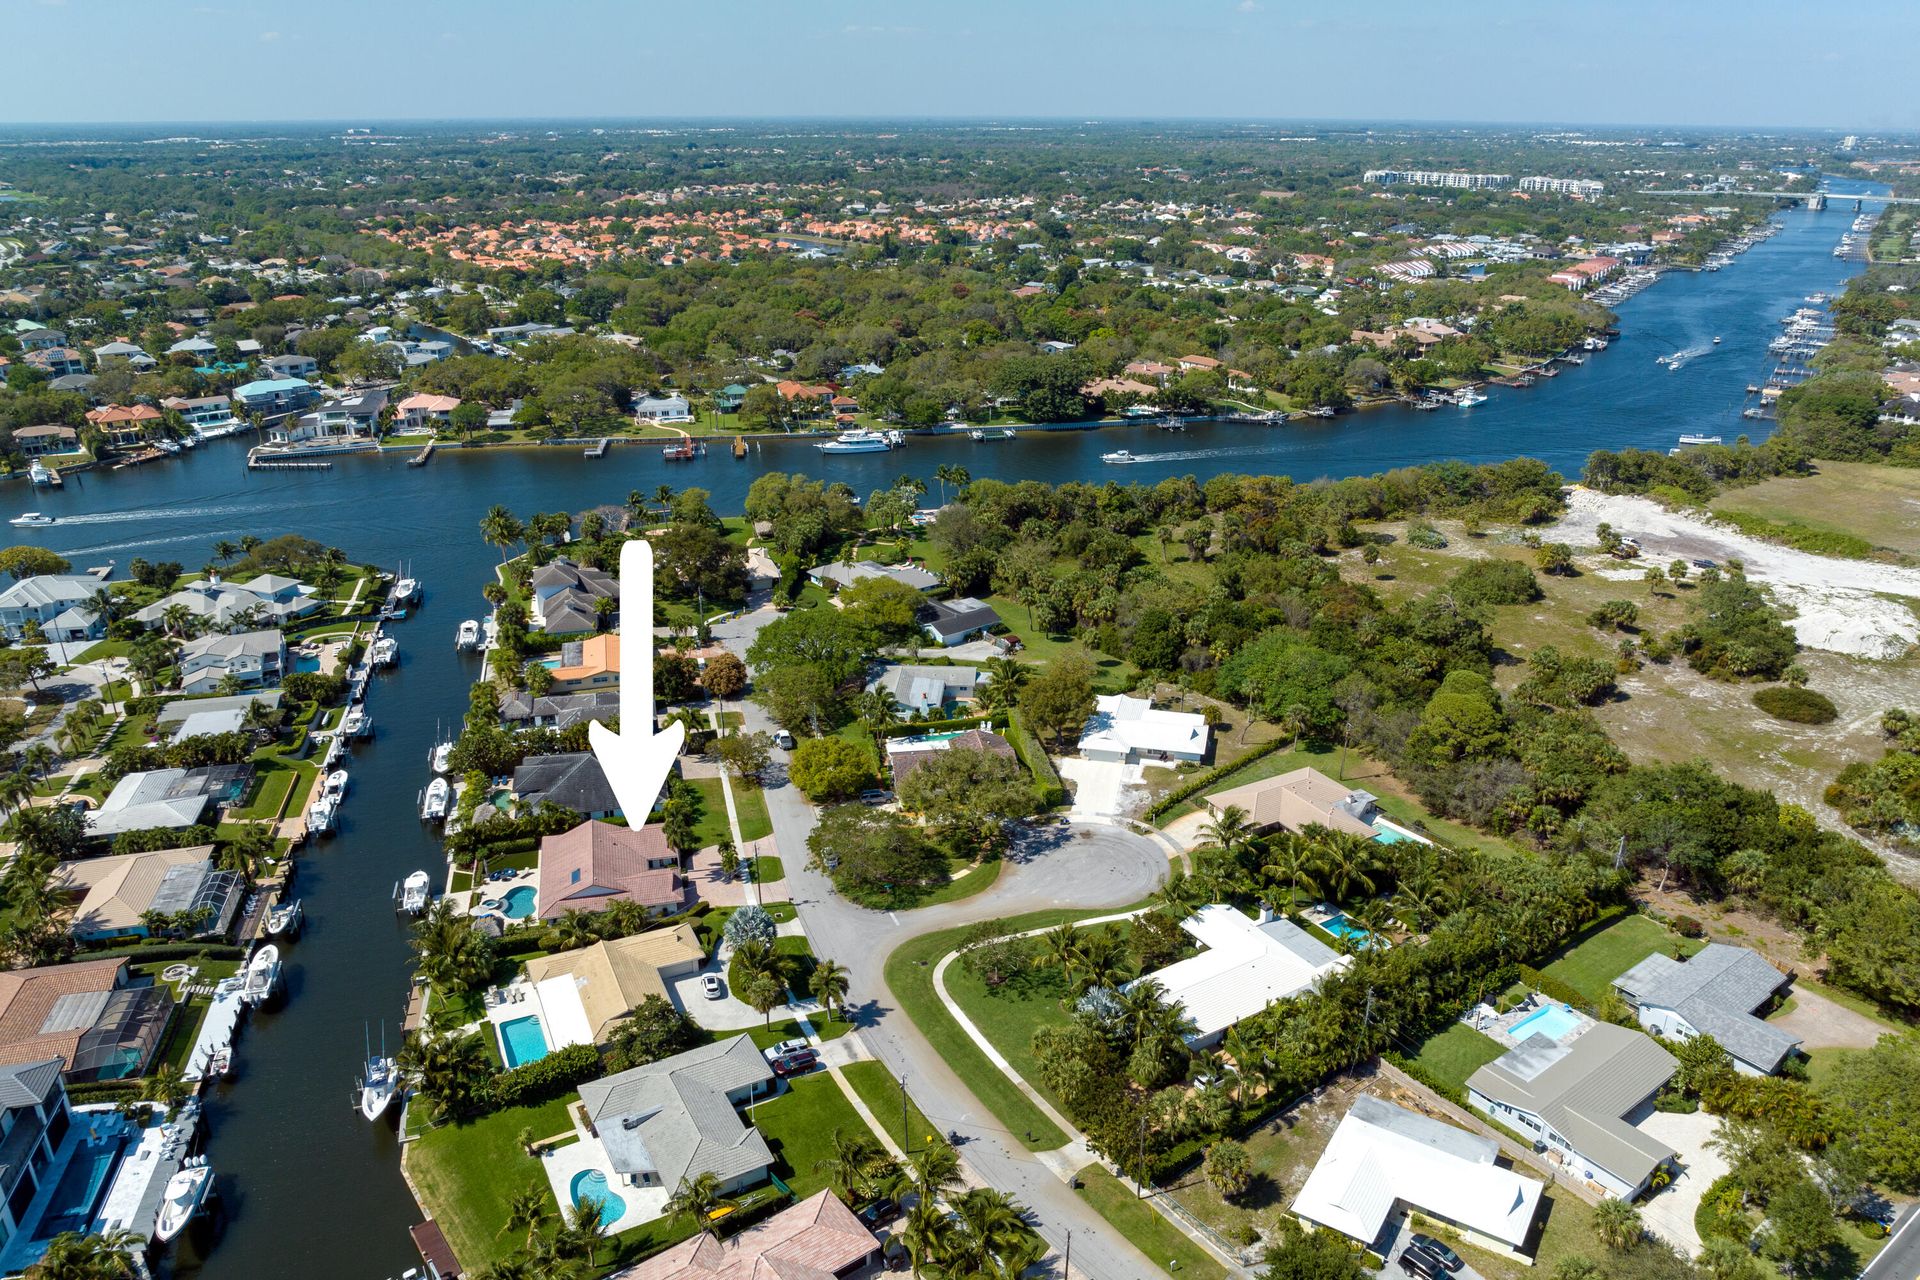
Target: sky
{"points": [[1632, 62]]}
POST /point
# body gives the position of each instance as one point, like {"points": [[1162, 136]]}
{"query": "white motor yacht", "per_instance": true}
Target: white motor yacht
{"points": [[414, 892], [31, 520], [185, 1195], [356, 723], [406, 591], [1467, 397], [41, 474], [284, 919], [378, 1084], [1120, 456], [435, 800], [440, 756], [263, 975], [858, 440], [385, 652], [469, 635], [320, 815], [1697, 439], [337, 784]]}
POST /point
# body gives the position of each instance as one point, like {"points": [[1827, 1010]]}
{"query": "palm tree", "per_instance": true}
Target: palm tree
{"points": [[850, 1169], [249, 543], [1291, 861], [877, 710], [829, 984], [935, 1169], [527, 1209], [1060, 946], [224, 550], [501, 529], [165, 1086], [1417, 902], [177, 620], [1231, 832], [106, 604], [1617, 1223], [1177, 894], [582, 1230], [1013, 1260], [986, 1223], [1346, 862], [1374, 916], [697, 1199], [574, 929], [72, 1256], [944, 474], [452, 1068], [926, 1234], [1004, 678], [38, 760]]}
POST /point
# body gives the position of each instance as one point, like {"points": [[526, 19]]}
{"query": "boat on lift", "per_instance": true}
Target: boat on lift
{"points": [[385, 652], [379, 1081], [337, 785], [321, 814], [1467, 397], [262, 976], [468, 636], [42, 475], [435, 800], [284, 920], [414, 892], [356, 723], [185, 1196], [438, 757]]}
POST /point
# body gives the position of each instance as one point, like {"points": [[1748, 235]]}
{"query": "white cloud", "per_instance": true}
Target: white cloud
{"points": [[268, 37], [1249, 6]]}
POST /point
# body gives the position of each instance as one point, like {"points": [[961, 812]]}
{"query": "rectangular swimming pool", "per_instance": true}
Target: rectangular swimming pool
{"points": [[1553, 1022], [1341, 927], [522, 1041], [77, 1195]]}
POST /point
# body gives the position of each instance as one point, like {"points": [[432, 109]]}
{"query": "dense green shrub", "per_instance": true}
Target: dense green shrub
{"points": [[1801, 706], [1046, 782], [547, 1078], [1495, 582], [1552, 988]]}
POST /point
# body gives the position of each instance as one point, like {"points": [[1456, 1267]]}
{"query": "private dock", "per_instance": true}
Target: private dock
{"points": [[683, 450], [217, 1029], [423, 457], [266, 464], [598, 449]]}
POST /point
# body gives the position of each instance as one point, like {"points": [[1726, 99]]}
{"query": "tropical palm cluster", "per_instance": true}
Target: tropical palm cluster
{"points": [[563, 1245]]}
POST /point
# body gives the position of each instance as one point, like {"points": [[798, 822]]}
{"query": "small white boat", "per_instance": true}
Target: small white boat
{"points": [[1467, 397], [1716, 339], [337, 784], [859, 440], [406, 591], [1120, 456], [186, 1193], [263, 975], [31, 520], [320, 815], [1004, 433], [414, 891], [221, 1063], [356, 723], [1695, 439], [436, 798], [283, 920], [378, 1084], [41, 474], [385, 652], [469, 635], [439, 757]]}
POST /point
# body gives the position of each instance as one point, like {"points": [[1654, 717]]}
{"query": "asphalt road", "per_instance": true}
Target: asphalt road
{"points": [[1086, 867], [1900, 1260]]}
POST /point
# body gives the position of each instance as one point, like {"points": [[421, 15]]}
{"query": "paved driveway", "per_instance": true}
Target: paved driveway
{"points": [[1669, 1215], [1055, 867], [1822, 1024], [1101, 788], [724, 1014]]}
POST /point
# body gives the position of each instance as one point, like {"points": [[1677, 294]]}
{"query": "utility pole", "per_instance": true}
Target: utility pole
{"points": [[1066, 1267]]}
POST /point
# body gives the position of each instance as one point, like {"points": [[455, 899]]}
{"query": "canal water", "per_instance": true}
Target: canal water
{"points": [[310, 1191]]}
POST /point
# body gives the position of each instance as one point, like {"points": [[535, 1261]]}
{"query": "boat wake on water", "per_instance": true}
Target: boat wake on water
{"points": [[169, 513], [1200, 455]]}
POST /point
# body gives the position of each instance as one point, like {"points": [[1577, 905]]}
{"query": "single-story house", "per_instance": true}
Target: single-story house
{"points": [[56, 602], [571, 779], [563, 595], [817, 1239], [904, 755], [169, 798], [1715, 992], [1245, 965], [596, 864], [38, 442], [606, 981], [184, 711], [593, 663], [204, 723], [678, 1118], [1573, 1097], [1305, 797], [667, 408], [926, 688], [268, 598], [198, 348], [1132, 729], [520, 709], [957, 621], [1384, 1160], [112, 894], [835, 575], [131, 353], [251, 657], [93, 1015]]}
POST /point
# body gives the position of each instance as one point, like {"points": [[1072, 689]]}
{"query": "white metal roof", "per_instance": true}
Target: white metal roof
{"points": [[1245, 966]]}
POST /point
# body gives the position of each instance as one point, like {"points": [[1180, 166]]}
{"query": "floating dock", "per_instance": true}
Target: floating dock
{"points": [[217, 1029]]}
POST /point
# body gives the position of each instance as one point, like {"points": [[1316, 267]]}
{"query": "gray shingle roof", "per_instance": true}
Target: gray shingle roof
{"points": [[673, 1117], [572, 779], [25, 1084], [1716, 991], [1583, 1088]]}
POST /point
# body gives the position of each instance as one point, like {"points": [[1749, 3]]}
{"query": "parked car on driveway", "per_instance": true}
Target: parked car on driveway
{"points": [[783, 740], [786, 1047], [712, 987], [877, 1213], [1448, 1258], [795, 1063]]}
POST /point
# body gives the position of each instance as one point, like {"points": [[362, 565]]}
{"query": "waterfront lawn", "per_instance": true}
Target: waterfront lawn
{"points": [[881, 1093], [799, 1124], [1591, 965], [1456, 1053], [466, 1172], [1142, 1225], [267, 795], [183, 1024]]}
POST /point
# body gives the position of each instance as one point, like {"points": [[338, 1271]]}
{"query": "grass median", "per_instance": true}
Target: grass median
{"points": [[1144, 1228]]}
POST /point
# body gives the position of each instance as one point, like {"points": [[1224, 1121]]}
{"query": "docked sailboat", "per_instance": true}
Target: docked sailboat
{"points": [[284, 920], [414, 892], [468, 636], [186, 1194], [262, 976], [435, 800], [379, 1081]]}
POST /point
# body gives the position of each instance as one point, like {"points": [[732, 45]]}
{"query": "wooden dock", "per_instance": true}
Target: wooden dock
{"points": [[598, 449], [423, 457]]}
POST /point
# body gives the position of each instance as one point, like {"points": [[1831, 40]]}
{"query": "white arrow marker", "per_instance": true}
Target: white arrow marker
{"points": [[636, 760]]}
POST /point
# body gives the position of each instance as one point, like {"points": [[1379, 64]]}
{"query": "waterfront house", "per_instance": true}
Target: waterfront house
{"points": [[1573, 1097], [38, 442], [268, 598], [1305, 797], [1384, 1161], [673, 1120], [834, 575], [423, 412], [571, 779], [596, 864], [1716, 992], [668, 408], [957, 621], [927, 689], [290, 366], [125, 426], [817, 1239], [1131, 730], [729, 398], [1154, 369], [806, 394], [590, 990], [112, 896], [275, 397], [253, 658], [1244, 965], [95, 1016], [593, 663], [904, 755], [520, 709], [36, 1119], [201, 412], [563, 597], [58, 603], [182, 712], [508, 334], [340, 418], [169, 798]]}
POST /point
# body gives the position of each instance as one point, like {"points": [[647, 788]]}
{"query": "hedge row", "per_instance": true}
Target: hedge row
{"points": [[143, 952], [1552, 988], [1046, 783], [104, 1091], [1194, 786], [550, 1077], [914, 728], [1446, 1089]]}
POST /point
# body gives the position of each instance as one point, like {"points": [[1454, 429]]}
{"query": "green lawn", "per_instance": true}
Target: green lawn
{"points": [[976, 879], [1457, 1053], [767, 870], [105, 649], [1144, 1228], [1010, 1015], [1565, 1231], [750, 807], [1590, 966], [466, 1172], [882, 1094], [799, 1125], [272, 780]]}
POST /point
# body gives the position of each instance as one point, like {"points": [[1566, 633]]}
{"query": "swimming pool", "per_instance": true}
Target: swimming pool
{"points": [[77, 1195], [518, 902], [591, 1184], [301, 662], [522, 1041], [1553, 1022], [1341, 927]]}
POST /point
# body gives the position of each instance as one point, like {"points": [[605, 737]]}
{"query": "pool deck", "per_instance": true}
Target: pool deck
{"points": [[564, 1163], [469, 900], [1498, 1027]]}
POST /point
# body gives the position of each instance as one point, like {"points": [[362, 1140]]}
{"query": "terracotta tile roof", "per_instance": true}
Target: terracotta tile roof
{"points": [[27, 995], [814, 1240], [597, 863]]}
